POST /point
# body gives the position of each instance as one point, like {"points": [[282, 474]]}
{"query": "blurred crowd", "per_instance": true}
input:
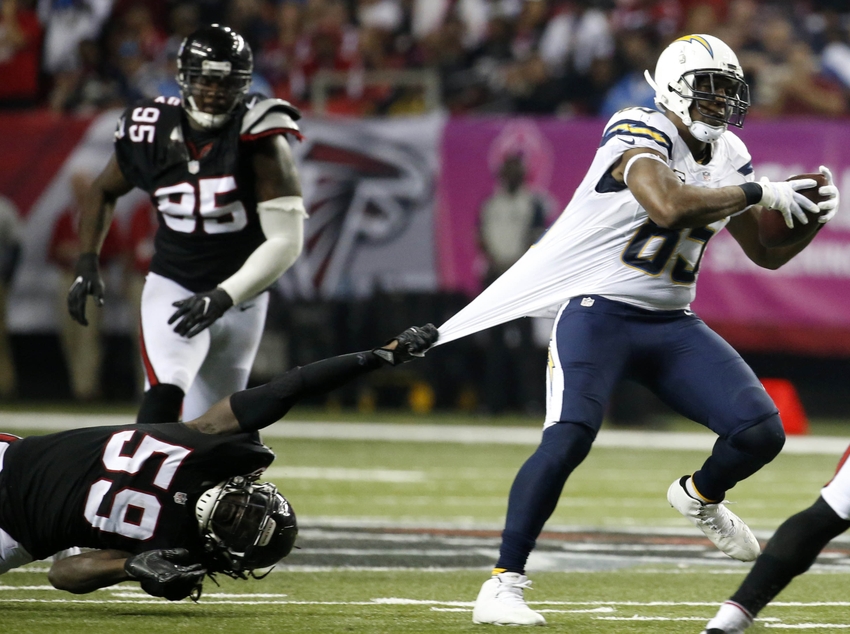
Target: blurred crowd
{"points": [[547, 57]]}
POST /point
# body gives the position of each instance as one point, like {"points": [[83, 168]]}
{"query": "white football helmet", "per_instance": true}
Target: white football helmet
{"points": [[701, 70]]}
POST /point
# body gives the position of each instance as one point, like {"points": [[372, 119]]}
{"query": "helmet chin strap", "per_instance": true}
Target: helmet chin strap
{"points": [[205, 119], [704, 132]]}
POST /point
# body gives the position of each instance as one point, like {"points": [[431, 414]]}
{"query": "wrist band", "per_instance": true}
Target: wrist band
{"points": [[753, 192]]}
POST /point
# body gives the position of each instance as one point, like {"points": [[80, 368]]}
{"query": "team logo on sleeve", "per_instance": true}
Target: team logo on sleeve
{"points": [[628, 130]]}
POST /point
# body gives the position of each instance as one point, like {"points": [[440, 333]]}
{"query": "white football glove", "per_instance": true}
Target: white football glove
{"points": [[783, 197], [827, 207]]}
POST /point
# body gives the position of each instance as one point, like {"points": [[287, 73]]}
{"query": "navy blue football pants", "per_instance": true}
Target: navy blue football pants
{"points": [[596, 343]]}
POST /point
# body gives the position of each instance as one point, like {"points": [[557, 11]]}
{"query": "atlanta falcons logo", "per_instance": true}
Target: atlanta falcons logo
{"points": [[361, 190]]}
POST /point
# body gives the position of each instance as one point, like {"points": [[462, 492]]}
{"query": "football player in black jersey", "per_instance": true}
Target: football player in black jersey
{"points": [[791, 551], [220, 173], [166, 504]]}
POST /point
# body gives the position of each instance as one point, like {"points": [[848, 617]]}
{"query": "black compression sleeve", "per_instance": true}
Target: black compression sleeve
{"points": [[261, 406], [753, 192], [790, 552]]}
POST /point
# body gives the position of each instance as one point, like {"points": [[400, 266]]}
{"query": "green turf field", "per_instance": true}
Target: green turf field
{"points": [[348, 486], [468, 484], [640, 601]]}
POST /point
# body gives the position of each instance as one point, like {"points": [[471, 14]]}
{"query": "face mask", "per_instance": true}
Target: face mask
{"points": [[706, 133]]}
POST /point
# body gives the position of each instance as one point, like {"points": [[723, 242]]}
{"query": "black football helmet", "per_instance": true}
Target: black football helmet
{"points": [[214, 67], [245, 525]]}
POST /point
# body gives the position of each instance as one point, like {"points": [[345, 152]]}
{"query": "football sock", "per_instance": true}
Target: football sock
{"points": [[537, 487], [160, 404], [790, 552], [691, 490], [731, 617], [739, 456], [261, 406]]}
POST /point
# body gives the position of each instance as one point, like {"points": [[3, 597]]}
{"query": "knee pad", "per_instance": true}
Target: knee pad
{"points": [[763, 440], [568, 442], [160, 404]]}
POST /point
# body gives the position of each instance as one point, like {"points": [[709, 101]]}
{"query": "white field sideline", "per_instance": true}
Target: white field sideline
{"points": [[474, 434]]}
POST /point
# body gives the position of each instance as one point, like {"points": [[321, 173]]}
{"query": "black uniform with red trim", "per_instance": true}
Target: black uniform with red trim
{"points": [[201, 182], [130, 488]]}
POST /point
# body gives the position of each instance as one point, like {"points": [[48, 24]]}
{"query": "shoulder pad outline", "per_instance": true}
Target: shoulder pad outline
{"points": [[269, 114]]}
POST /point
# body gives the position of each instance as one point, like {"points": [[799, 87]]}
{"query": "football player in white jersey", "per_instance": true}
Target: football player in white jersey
{"points": [[619, 268]]}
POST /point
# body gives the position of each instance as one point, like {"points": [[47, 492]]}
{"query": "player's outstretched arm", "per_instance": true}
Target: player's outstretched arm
{"points": [[259, 407], [89, 571], [167, 573], [95, 220]]}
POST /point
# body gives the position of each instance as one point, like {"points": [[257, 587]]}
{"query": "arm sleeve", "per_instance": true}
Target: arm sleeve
{"points": [[261, 406], [282, 220]]}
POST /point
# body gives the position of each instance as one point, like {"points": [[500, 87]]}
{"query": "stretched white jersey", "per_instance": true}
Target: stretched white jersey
{"points": [[604, 242]]}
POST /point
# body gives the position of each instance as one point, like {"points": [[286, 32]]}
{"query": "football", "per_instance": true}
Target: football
{"points": [[773, 232]]}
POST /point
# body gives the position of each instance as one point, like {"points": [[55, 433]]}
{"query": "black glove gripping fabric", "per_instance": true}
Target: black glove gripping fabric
{"points": [[413, 342]]}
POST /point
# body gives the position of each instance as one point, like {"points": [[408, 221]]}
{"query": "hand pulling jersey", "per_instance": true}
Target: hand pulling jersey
{"points": [[604, 242], [130, 488], [202, 184]]}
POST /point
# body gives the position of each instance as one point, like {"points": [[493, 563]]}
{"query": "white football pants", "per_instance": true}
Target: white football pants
{"points": [[837, 491], [211, 365]]}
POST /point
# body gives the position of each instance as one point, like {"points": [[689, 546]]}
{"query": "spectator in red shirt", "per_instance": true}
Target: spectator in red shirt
{"points": [[20, 53]]}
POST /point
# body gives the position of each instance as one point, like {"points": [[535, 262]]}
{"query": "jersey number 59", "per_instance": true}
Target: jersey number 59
{"points": [[132, 513]]}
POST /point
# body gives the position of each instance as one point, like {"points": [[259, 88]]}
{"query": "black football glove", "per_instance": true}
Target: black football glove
{"points": [[413, 342], [200, 311], [161, 573], [87, 281]]}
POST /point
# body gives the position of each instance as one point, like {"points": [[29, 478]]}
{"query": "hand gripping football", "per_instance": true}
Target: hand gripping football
{"points": [[773, 232]]}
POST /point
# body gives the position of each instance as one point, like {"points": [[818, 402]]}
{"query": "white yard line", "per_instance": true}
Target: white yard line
{"points": [[344, 474], [471, 434], [809, 626]]}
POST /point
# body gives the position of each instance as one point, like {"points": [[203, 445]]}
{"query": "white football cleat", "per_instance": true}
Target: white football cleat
{"points": [[500, 602], [725, 529]]}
